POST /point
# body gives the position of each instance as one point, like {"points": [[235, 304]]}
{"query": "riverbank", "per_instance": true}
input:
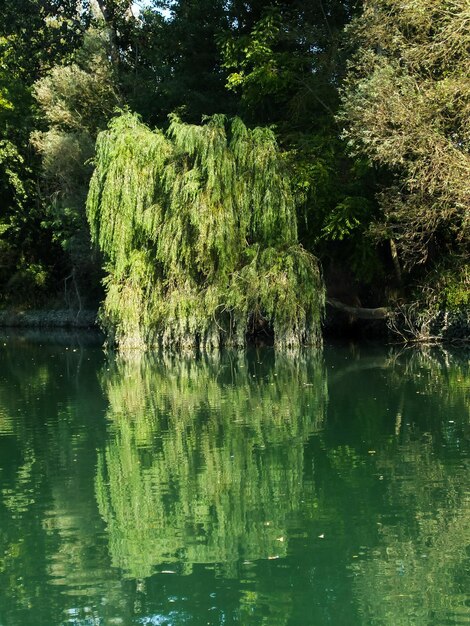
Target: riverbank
{"points": [[404, 324], [59, 318]]}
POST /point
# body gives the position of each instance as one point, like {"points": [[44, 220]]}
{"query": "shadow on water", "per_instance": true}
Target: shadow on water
{"points": [[244, 488]]}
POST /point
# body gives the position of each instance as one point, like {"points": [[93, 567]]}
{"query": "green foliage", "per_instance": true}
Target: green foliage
{"points": [[199, 229], [75, 100], [447, 287], [286, 63], [172, 61], [284, 59], [13, 170], [346, 217], [80, 95], [457, 292], [406, 106], [22, 271], [273, 63], [35, 36], [261, 71]]}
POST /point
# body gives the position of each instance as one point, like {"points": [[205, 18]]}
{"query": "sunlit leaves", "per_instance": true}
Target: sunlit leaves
{"points": [[208, 213], [406, 106]]}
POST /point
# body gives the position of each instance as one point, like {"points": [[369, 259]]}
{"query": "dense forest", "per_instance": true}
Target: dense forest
{"points": [[204, 170]]}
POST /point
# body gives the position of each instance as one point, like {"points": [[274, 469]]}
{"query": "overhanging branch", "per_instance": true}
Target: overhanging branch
{"points": [[380, 313]]}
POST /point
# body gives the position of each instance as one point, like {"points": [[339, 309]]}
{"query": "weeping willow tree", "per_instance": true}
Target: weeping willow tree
{"points": [[198, 226], [205, 460]]}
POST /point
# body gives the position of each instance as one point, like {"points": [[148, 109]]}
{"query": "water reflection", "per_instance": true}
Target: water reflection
{"points": [[414, 568], [418, 572], [51, 397], [246, 488], [205, 462]]}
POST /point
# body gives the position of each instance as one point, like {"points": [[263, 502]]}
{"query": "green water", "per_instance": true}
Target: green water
{"points": [[244, 489]]}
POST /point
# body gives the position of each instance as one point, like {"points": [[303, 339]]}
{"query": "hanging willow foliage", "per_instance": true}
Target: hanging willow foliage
{"points": [[199, 229]]}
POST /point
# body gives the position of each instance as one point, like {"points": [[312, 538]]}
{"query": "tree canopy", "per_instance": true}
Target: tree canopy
{"points": [[406, 105]]}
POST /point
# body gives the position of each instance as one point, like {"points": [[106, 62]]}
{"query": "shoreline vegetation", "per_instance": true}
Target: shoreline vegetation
{"points": [[340, 322], [289, 157]]}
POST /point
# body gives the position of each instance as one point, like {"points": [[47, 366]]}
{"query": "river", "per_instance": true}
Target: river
{"points": [[242, 488]]}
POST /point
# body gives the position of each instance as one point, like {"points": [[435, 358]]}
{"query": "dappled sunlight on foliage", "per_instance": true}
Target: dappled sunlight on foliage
{"points": [[200, 231], [406, 106]]}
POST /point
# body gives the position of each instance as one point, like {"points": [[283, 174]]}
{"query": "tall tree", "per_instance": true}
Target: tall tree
{"points": [[76, 101], [406, 105], [286, 60], [175, 64], [34, 36]]}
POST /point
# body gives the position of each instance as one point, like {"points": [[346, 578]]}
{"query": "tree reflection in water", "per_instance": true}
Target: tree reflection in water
{"points": [[206, 459], [418, 572]]}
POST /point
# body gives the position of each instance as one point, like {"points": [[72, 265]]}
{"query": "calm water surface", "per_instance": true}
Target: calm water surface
{"points": [[247, 489]]}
